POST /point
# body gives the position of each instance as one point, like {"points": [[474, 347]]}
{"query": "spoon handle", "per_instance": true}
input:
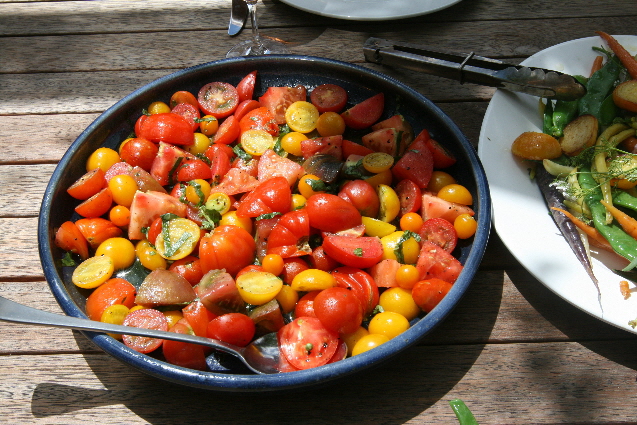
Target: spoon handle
{"points": [[13, 312]]}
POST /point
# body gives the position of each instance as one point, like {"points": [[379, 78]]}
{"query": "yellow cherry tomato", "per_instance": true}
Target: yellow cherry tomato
{"points": [[232, 219], [119, 215], [258, 288], [377, 162], [465, 226], [273, 263], [183, 236], [123, 188], [456, 193], [388, 323], [102, 158], [115, 315], [411, 221], [395, 248], [256, 142], [301, 116], [352, 338], [330, 124], [158, 108], [219, 201], [399, 300], [197, 191], [389, 203], [149, 257], [308, 185], [368, 342], [291, 142], [312, 280], [173, 316], [438, 180], [287, 298], [374, 227], [208, 125], [298, 201], [136, 307], [384, 177], [202, 142], [93, 271], [121, 250], [407, 275]]}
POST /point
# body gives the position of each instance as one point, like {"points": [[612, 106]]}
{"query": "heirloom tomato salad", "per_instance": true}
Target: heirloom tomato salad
{"points": [[229, 215]]}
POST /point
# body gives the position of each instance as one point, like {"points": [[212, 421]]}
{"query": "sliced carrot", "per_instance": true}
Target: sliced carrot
{"points": [[624, 56], [596, 238], [627, 223], [597, 64]]}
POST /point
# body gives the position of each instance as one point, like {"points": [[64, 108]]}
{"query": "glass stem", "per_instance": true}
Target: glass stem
{"points": [[252, 10]]}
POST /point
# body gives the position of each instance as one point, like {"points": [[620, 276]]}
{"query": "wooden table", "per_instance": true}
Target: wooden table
{"points": [[514, 351]]}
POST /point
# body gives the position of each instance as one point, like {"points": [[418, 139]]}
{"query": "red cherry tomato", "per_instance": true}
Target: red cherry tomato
{"points": [[245, 107], [228, 132], [139, 152], [441, 232], [69, 238], [218, 99], [198, 316], [245, 88], [320, 260], [259, 119], [410, 196], [361, 252], [428, 293], [167, 127], [361, 284], [113, 291], [273, 195], [182, 354], [362, 195], [188, 267], [96, 205], [88, 185], [330, 213], [277, 100], [226, 247], [290, 235], [305, 305], [434, 261], [233, 328], [97, 229], [306, 343], [183, 97], [329, 98], [189, 112], [291, 267], [147, 318], [338, 309]]}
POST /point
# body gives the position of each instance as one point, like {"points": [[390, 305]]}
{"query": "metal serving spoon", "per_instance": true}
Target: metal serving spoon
{"points": [[261, 356]]}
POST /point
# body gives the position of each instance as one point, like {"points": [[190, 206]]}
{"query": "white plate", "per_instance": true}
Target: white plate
{"points": [[370, 10], [521, 217]]}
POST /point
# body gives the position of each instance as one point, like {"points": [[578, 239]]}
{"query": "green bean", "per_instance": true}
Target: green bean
{"points": [[464, 415], [598, 88]]}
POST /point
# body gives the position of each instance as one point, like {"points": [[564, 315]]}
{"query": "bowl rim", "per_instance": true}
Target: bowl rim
{"points": [[323, 374]]}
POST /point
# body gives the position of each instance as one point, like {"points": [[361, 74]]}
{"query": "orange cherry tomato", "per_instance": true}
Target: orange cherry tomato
{"points": [[96, 205]]}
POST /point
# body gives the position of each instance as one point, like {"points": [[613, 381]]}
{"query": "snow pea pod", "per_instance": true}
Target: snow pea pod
{"points": [[625, 200], [598, 88], [557, 116], [622, 243]]}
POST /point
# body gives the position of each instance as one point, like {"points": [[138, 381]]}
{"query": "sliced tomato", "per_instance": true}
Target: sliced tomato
{"points": [[365, 113], [96, 205], [245, 88], [167, 127], [97, 229], [259, 119], [147, 206], [267, 318], [147, 318], [320, 260], [193, 168], [226, 247], [189, 112], [69, 238], [361, 252], [306, 343], [218, 292], [236, 181], [88, 185], [273, 195], [429, 292], [277, 100], [218, 99], [113, 291], [384, 273], [245, 107], [415, 165], [353, 148], [191, 356], [441, 232], [442, 157], [228, 131], [361, 283], [434, 261], [410, 196], [289, 238], [329, 145], [164, 287], [433, 206], [329, 98], [272, 165], [198, 316], [331, 213], [220, 162], [164, 165]]}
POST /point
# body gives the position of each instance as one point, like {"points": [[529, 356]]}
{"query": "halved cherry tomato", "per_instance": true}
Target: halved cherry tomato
{"points": [[192, 169], [233, 328], [441, 232], [228, 132], [301, 116], [226, 247], [245, 107], [321, 261], [306, 343], [428, 293], [329, 98], [277, 100], [291, 267], [147, 318], [189, 112], [96, 205], [289, 238], [338, 309], [113, 291], [365, 113], [88, 185], [183, 96], [360, 252], [434, 261], [331, 213], [69, 238], [305, 305], [167, 127], [245, 88], [96, 230], [273, 195], [139, 152], [182, 354], [218, 99], [410, 196], [198, 316], [189, 267], [259, 119]]}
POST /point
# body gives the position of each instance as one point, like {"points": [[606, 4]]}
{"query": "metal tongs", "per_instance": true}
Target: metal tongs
{"points": [[475, 69]]}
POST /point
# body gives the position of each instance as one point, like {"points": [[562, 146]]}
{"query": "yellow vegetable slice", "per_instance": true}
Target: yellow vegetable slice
{"points": [[256, 142], [389, 203], [312, 280], [258, 288], [178, 238], [374, 227], [407, 252], [301, 116], [115, 315], [219, 201], [94, 271], [378, 162]]}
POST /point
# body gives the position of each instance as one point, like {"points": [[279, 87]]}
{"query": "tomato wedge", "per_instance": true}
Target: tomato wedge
{"points": [[306, 343], [88, 185], [434, 261], [365, 113], [273, 195], [183, 354], [441, 232], [289, 238], [245, 88], [360, 252]]}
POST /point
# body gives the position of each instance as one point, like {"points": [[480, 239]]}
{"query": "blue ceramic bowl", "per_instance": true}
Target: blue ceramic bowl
{"points": [[114, 125]]}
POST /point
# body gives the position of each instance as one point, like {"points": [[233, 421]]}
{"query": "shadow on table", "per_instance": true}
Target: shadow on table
{"points": [[393, 393]]}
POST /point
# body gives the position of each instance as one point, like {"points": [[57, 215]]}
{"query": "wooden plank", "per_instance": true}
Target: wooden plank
{"points": [[20, 185], [544, 383]]}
